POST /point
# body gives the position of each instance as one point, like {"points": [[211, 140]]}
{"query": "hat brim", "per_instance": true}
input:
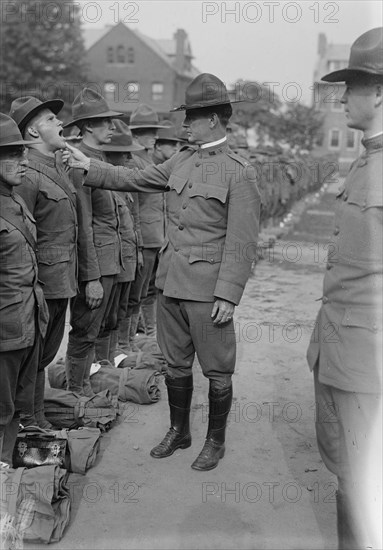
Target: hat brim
{"points": [[347, 74], [20, 142], [169, 139], [122, 148], [204, 106], [106, 114], [146, 126], [54, 105]]}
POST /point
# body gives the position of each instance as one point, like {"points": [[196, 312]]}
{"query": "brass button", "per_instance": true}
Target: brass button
{"points": [[184, 206], [190, 185], [324, 300], [329, 266], [180, 227], [198, 163]]}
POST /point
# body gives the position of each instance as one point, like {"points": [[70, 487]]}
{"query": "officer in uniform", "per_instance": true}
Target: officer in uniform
{"points": [[99, 247], [213, 211], [345, 351], [24, 313], [51, 197]]}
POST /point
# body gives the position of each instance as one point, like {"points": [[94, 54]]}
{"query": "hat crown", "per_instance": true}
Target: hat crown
{"points": [[26, 107], [145, 115], [9, 132], [206, 89], [367, 52], [89, 103], [122, 136], [167, 133]]}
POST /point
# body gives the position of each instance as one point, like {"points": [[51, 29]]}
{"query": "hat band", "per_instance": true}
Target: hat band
{"points": [[10, 138]]}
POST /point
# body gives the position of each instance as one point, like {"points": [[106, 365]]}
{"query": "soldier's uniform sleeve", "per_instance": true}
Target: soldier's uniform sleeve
{"points": [[88, 269], [239, 250], [29, 190]]}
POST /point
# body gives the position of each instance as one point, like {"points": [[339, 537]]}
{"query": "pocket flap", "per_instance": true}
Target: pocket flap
{"points": [[54, 193], [7, 299], [177, 183], [205, 254], [364, 318], [50, 255], [209, 192]]}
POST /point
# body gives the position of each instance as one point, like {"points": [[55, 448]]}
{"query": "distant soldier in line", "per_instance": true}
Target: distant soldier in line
{"points": [[345, 351], [24, 313], [99, 247], [213, 206], [51, 197]]}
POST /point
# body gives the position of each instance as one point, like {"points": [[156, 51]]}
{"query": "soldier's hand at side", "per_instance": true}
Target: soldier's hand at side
{"points": [[140, 260], [222, 312], [74, 158], [94, 294]]}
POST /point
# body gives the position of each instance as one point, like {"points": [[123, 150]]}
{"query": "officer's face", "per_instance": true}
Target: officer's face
{"points": [[102, 130], [359, 104], [49, 130], [13, 164], [197, 127], [146, 138]]}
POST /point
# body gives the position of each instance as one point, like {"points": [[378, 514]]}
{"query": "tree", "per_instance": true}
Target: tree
{"points": [[42, 50], [300, 127]]}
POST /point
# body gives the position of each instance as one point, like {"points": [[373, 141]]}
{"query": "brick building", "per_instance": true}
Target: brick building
{"points": [[336, 137], [131, 68]]}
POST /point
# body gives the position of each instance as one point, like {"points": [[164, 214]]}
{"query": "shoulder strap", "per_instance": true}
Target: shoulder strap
{"points": [[8, 217]]}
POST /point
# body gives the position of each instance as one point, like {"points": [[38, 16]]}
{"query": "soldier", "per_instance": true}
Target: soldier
{"points": [[144, 125], [99, 247], [345, 351], [24, 313], [213, 209], [51, 198]]}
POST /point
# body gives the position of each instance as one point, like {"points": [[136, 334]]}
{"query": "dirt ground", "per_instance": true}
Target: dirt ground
{"points": [[271, 490]]}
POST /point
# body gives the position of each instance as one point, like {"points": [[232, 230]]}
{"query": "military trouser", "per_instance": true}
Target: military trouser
{"points": [[55, 330], [140, 285], [185, 328]]}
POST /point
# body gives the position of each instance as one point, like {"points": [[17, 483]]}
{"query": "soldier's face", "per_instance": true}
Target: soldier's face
{"points": [[49, 130], [197, 128], [102, 130], [13, 165], [146, 138], [167, 148], [359, 104]]}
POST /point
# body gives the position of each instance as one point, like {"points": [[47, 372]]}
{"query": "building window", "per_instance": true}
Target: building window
{"points": [[334, 140], [132, 91], [131, 56], [110, 55], [157, 91], [336, 64], [351, 139], [109, 91], [120, 54]]}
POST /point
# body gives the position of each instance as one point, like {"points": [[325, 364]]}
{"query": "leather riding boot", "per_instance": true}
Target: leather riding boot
{"points": [[214, 447], [133, 331], [42, 422], [149, 315], [102, 347], [123, 334], [180, 391], [75, 370], [86, 385]]}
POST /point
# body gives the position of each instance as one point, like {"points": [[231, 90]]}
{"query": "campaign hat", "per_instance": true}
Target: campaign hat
{"points": [[366, 58], [122, 140], [10, 134], [168, 133], [23, 109], [206, 90], [90, 104], [144, 117]]}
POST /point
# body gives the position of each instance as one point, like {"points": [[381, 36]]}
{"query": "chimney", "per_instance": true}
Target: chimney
{"points": [[180, 38], [322, 44]]}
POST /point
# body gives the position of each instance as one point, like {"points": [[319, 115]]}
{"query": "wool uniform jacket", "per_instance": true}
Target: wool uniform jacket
{"points": [[51, 197], [347, 338], [23, 309], [213, 209], [151, 208], [99, 241]]}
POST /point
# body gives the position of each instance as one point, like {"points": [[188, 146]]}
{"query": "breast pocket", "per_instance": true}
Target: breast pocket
{"points": [[208, 202]]}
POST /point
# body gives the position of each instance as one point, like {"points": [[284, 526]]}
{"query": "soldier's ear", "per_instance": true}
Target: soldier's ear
{"points": [[379, 94], [32, 132]]}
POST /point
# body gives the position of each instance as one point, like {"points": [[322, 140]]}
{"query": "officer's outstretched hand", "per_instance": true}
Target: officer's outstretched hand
{"points": [[74, 158], [94, 294], [222, 312]]}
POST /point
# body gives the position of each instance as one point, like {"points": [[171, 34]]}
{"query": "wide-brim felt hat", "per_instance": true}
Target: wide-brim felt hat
{"points": [[10, 134], [206, 90], [90, 104], [144, 117], [168, 133], [122, 140], [366, 58], [23, 109]]}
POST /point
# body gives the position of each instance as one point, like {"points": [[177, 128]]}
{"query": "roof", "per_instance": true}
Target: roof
{"points": [[165, 48]]}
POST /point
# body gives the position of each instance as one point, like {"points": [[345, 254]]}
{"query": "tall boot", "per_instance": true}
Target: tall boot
{"points": [[102, 347], [123, 334], [180, 391], [133, 331], [214, 447], [42, 422], [75, 371], [149, 315]]}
